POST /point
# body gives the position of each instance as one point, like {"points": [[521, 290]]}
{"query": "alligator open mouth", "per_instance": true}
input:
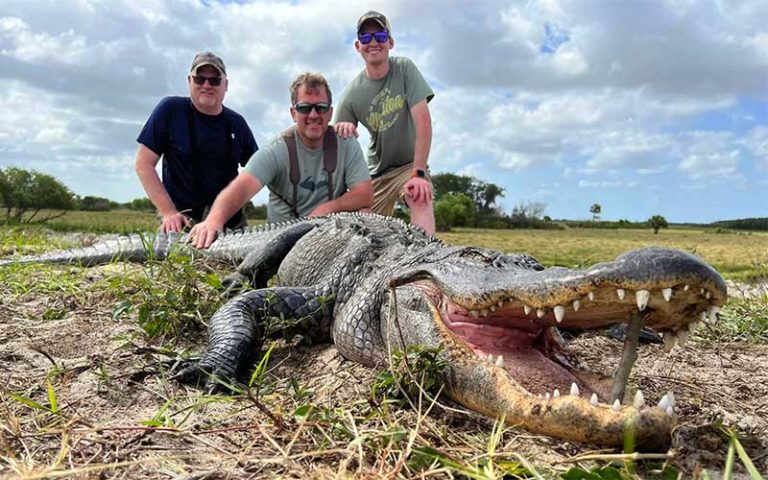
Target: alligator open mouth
{"points": [[517, 366]]}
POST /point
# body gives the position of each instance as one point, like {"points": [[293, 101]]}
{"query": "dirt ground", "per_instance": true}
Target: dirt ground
{"points": [[107, 382]]}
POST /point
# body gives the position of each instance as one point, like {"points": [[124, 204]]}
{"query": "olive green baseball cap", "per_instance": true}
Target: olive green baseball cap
{"points": [[375, 16], [207, 58]]}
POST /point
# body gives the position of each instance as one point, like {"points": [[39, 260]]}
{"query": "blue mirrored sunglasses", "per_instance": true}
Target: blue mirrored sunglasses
{"points": [[365, 38]]}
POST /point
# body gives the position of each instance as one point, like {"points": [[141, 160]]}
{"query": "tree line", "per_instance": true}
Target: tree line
{"points": [[28, 196]]}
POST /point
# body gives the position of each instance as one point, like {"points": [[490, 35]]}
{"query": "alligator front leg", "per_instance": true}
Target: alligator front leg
{"points": [[238, 329]]}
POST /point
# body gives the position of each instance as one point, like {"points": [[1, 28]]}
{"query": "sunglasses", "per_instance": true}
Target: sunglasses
{"points": [[306, 108], [365, 38], [200, 80]]}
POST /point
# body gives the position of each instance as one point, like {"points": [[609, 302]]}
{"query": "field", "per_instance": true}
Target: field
{"points": [[85, 356]]}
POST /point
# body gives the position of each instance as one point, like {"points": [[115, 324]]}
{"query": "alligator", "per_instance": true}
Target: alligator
{"points": [[373, 285]]}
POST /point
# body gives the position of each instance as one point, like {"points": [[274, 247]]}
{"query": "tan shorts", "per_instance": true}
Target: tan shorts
{"points": [[389, 188]]}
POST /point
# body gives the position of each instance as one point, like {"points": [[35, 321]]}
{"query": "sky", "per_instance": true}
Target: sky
{"points": [[644, 107]]}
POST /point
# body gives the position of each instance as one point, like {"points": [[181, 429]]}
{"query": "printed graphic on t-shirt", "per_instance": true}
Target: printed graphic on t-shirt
{"points": [[384, 110], [310, 184]]}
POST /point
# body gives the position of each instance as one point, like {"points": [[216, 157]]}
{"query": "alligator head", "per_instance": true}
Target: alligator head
{"points": [[495, 314]]}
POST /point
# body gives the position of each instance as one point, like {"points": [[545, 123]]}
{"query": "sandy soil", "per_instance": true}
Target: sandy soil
{"points": [[107, 380]]}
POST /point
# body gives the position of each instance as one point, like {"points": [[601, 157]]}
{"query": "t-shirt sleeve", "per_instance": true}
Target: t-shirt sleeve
{"points": [[265, 164], [155, 134], [355, 168], [416, 87], [343, 111]]}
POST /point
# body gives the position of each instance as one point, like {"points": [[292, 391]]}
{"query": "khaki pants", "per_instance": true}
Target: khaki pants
{"points": [[389, 188]]}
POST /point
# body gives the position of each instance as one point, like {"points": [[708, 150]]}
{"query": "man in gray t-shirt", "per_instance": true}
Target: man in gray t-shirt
{"points": [[389, 97], [271, 166]]}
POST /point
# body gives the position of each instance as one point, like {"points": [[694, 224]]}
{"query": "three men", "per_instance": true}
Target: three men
{"points": [[321, 185], [389, 97], [202, 142]]}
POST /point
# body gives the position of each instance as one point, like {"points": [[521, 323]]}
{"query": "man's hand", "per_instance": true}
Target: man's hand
{"points": [[418, 191], [174, 222], [323, 209], [345, 129], [203, 234]]}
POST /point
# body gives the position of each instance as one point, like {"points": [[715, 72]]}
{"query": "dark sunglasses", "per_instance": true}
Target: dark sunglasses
{"points": [[200, 80], [365, 38], [305, 108]]}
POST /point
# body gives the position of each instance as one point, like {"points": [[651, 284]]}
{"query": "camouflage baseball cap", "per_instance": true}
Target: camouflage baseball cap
{"points": [[376, 17], [207, 58]]}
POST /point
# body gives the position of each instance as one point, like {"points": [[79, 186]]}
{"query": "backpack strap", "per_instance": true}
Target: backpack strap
{"points": [[330, 152]]}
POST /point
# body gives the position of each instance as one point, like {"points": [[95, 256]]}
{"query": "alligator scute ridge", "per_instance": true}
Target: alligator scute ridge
{"points": [[493, 313]]}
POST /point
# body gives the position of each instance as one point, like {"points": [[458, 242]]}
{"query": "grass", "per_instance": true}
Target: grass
{"points": [[366, 437]]}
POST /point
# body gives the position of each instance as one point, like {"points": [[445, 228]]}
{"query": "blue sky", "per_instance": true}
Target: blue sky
{"points": [[645, 107]]}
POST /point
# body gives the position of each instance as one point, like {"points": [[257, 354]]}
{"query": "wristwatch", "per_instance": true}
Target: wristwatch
{"points": [[419, 173]]}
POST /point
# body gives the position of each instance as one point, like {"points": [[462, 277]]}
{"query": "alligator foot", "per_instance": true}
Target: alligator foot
{"points": [[233, 284], [206, 374]]}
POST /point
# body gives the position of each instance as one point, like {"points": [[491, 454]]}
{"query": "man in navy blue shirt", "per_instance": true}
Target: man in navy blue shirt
{"points": [[201, 141]]}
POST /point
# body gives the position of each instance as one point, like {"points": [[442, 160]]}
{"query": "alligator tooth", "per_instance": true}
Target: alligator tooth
{"points": [[669, 341], [686, 288], [620, 292], [670, 411], [642, 297], [671, 398], [593, 400], [591, 296], [546, 396], [704, 316], [490, 358], [526, 309], [556, 394], [474, 313], [576, 305], [500, 362], [559, 313], [500, 303], [666, 293], [616, 405], [664, 402], [702, 291], [540, 313], [682, 337], [708, 295], [713, 314], [639, 400], [692, 326], [493, 308], [575, 390], [484, 312]]}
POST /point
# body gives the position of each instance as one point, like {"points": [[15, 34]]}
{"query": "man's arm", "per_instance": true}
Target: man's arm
{"points": [[419, 189], [356, 198], [146, 161], [229, 201]]}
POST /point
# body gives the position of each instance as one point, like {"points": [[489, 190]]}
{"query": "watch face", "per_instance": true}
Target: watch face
{"points": [[421, 173]]}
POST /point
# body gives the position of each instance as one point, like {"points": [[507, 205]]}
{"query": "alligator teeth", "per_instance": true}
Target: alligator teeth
{"points": [[576, 305], [591, 296], [616, 405], [642, 297], [484, 313], [493, 308], [669, 341], [682, 337], [702, 291], [474, 313], [559, 313], [556, 394], [639, 400], [526, 309], [575, 390], [713, 314], [490, 358], [593, 400], [671, 398], [664, 402], [546, 396], [666, 293], [620, 292], [540, 313], [500, 362], [708, 295], [500, 303], [686, 288], [670, 411]]}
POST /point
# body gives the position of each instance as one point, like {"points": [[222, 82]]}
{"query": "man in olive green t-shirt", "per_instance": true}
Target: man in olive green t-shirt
{"points": [[390, 99], [351, 183]]}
